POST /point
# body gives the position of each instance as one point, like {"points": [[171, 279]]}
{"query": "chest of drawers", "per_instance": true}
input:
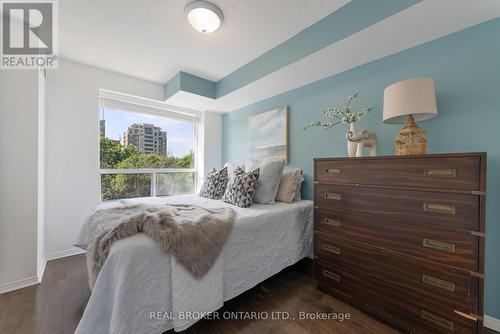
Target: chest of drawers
{"points": [[402, 237]]}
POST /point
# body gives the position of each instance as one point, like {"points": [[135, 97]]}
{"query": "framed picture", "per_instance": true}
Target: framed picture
{"points": [[268, 134]]}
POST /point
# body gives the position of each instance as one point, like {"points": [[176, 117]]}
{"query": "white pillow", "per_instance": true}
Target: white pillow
{"points": [[231, 167], [269, 179]]}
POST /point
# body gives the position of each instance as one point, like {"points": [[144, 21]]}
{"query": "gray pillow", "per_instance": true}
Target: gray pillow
{"points": [[269, 179]]}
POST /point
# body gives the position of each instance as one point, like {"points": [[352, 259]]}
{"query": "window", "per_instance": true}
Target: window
{"points": [[131, 165]]}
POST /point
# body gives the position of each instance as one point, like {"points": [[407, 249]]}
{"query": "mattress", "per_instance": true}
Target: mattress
{"points": [[133, 292]]}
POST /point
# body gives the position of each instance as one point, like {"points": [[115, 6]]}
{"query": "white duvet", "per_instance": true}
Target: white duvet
{"points": [[138, 292]]}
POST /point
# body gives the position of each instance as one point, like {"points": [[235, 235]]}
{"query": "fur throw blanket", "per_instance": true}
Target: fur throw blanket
{"points": [[194, 235]]}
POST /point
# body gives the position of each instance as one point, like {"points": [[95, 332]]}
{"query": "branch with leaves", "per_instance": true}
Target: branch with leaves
{"points": [[343, 115]]}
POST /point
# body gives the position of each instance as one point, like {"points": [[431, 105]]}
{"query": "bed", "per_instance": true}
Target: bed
{"points": [[136, 290]]}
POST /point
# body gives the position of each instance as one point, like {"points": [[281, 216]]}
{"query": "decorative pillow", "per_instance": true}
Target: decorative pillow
{"points": [[288, 185], [269, 179], [215, 184], [241, 188], [298, 195]]}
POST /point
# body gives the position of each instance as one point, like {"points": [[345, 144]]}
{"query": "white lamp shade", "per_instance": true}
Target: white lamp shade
{"points": [[415, 97]]}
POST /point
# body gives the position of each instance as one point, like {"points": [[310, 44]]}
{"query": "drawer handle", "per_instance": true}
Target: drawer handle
{"points": [[441, 172], [334, 171], [438, 320], [473, 317], [332, 222], [438, 283], [438, 245], [333, 276], [333, 196], [439, 208], [331, 249]]}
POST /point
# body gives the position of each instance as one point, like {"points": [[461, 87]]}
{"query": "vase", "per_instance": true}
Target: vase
{"points": [[352, 146]]}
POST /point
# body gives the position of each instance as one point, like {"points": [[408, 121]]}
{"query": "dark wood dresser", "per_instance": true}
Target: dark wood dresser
{"points": [[402, 237]]}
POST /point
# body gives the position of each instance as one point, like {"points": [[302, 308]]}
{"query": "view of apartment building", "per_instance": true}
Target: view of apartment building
{"points": [[147, 138]]}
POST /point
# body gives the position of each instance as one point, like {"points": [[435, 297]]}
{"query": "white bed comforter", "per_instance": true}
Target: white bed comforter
{"points": [[138, 292]]}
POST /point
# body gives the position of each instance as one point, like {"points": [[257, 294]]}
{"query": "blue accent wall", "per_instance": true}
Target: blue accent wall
{"points": [[466, 70]]}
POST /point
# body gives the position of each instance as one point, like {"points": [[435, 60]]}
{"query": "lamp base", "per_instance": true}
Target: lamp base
{"points": [[411, 140]]}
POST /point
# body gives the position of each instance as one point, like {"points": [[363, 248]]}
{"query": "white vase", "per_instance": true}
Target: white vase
{"points": [[352, 146]]}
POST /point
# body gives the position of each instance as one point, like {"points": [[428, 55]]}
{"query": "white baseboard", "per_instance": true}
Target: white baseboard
{"points": [[64, 253], [492, 323], [19, 284], [41, 269], [29, 281]]}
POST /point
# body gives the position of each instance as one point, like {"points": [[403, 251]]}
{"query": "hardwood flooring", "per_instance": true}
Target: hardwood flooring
{"points": [[56, 305], [53, 306]]}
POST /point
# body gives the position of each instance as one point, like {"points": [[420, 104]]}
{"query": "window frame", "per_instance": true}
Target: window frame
{"points": [[129, 103]]}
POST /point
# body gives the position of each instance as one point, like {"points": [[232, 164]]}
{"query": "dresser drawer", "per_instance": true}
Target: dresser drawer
{"points": [[451, 248], [453, 211], [456, 173], [411, 313], [416, 278]]}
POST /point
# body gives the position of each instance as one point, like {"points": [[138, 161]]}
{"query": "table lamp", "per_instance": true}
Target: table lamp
{"points": [[409, 101]]}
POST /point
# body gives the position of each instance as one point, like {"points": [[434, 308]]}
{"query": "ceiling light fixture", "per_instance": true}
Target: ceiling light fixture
{"points": [[204, 16]]}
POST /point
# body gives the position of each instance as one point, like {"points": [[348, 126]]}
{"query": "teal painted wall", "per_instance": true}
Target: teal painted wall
{"points": [[189, 83], [173, 86], [466, 70], [196, 85]]}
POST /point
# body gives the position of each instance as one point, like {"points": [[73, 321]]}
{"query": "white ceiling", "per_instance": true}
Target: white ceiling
{"points": [[413, 26], [150, 39]]}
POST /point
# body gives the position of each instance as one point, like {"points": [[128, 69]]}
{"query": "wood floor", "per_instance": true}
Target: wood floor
{"points": [[53, 306], [56, 305]]}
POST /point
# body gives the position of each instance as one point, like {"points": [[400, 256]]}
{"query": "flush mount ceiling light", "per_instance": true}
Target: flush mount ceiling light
{"points": [[204, 16]]}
